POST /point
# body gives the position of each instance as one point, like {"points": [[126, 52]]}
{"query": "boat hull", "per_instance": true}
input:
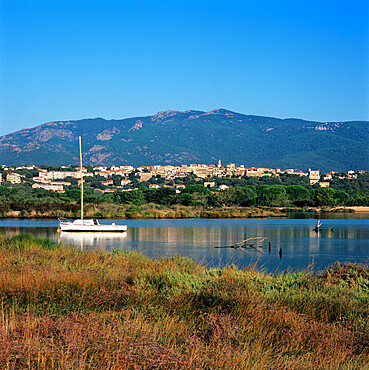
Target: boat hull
{"points": [[93, 228]]}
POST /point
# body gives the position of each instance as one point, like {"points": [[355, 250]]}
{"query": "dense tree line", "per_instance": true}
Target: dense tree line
{"points": [[195, 194], [25, 194], [340, 181], [264, 195]]}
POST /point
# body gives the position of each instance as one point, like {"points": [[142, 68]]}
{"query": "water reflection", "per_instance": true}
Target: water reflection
{"points": [[40, 232], [91, 240], [299, 243]]}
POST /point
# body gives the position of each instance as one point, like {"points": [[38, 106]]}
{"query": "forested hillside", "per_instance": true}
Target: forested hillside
{"points": [[176, 138]]}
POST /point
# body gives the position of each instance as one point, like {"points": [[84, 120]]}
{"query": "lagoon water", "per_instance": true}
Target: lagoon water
{"points": [[198, 238]]}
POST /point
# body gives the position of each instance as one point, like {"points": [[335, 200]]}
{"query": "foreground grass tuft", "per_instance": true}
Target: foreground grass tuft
{"points": [[63, 308]]}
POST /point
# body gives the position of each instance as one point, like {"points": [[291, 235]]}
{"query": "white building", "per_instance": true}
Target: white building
{"points": [[52, 175], [314, 176], [14, 178], [50, 186], [324, 184], [125, 182]]}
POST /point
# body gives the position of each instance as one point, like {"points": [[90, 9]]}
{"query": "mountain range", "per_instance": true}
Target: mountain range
{"points": [[174, 137]]}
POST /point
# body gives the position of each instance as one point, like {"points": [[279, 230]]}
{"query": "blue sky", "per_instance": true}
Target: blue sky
{"points": [[76, 59]]}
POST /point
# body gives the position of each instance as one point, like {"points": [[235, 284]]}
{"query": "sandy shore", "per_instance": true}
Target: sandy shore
{"points": [[360, 209]]}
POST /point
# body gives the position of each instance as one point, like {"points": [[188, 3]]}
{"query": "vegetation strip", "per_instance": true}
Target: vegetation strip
{"points": [[194, 201], [230, 197], [64, 308]]}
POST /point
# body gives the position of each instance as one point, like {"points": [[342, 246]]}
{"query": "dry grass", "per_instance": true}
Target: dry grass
{"points": [[148, 210], [66, 309]]}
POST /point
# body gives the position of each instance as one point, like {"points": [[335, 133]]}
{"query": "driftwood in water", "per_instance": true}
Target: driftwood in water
{"points": [[250, 243], [316, 228]]}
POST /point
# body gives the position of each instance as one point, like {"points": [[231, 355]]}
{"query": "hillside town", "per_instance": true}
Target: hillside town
{"points": [[109, 179]]}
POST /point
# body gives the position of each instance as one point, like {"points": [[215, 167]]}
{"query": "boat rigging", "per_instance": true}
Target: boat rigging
{"points": [[91, 225]]}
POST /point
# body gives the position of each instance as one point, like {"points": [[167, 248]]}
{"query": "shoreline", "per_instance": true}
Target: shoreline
{"points": [[360, 209], [151, 211]]}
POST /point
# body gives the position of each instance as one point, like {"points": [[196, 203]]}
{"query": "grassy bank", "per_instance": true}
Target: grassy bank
{"points": [[156, 211], [64, 308], [150, 210]]}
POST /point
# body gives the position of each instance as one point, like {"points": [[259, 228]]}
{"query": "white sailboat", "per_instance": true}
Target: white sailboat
{"points": [[91, 225]]}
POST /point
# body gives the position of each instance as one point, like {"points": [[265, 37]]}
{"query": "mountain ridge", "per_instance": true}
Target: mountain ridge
{"points": [[183, 137]]}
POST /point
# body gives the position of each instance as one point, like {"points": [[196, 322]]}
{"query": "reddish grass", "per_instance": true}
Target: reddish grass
{"points": [[66, 309]]}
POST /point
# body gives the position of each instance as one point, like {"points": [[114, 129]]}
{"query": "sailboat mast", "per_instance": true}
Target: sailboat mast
{"points": [[80, 160]]}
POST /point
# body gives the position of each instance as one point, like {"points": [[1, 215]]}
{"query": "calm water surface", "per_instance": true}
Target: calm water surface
{"points": [[349, 240]]}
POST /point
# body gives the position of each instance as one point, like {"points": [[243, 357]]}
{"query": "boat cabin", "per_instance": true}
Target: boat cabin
{"points": [[86, 222]]}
